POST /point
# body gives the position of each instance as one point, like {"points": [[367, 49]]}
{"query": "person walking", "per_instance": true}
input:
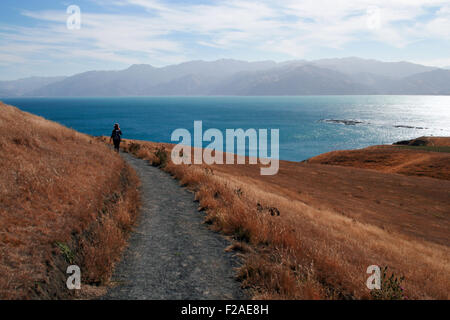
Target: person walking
{"points": [[116, 136]]}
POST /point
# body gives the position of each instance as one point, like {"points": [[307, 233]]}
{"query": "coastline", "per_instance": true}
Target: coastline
{"points": [[308, 232]]}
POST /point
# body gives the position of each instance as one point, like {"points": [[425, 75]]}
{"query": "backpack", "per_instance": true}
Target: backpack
{"points": [[116, 135]]}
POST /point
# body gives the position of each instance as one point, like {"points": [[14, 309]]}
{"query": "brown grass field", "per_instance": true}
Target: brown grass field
{"points": [[309, 232], [425, 156], [65, 198], [333, 222]]}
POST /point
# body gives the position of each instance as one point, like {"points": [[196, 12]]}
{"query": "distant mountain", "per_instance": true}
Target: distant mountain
{"points": [[291, 80], [436, 82], [140, 80], [23, 86], [378, 84], [6, 93], [234, 77], [355, 66], [188, 85]]}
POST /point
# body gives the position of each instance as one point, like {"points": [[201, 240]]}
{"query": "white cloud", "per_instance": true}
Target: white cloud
{"points": [[166, 32], [326, 23], [6, 59]]}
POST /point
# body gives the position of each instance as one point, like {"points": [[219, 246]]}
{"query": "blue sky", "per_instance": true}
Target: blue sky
{"points": [[35, 40]]}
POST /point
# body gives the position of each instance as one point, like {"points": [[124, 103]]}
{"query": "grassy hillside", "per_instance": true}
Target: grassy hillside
{"points": [[425, 156], [65, 199], [333, 223]]}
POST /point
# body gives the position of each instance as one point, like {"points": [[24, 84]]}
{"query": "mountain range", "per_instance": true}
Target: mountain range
{"points": [[234, 77]]}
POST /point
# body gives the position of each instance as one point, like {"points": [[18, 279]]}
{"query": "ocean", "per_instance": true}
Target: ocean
{"points": [[308, 125]]}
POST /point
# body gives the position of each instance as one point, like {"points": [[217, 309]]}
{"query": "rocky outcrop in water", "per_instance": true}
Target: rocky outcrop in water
{"points": [[346, 122]]}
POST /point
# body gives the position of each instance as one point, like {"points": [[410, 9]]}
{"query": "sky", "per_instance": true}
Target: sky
{"points": [[37, 40]]}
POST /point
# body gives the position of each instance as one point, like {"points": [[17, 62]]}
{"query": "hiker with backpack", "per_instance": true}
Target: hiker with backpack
{"points": [[116, 136]]}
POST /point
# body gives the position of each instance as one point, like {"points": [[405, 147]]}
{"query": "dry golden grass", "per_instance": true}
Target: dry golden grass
{"points": [[430, 159], [311, 251], [65, 198]]}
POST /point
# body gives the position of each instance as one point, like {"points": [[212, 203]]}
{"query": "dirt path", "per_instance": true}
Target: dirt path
{"points": [[171, 253]]}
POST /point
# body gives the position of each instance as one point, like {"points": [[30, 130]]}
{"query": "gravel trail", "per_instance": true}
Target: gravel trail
{"points": [[171, 253]]}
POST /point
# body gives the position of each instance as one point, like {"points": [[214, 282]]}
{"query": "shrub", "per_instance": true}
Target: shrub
{"points": [[161, 155], [391, 287], [67, 253], [134, 148]]}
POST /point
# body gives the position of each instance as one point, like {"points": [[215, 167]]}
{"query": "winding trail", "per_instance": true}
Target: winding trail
{"points": [[171, 253]]}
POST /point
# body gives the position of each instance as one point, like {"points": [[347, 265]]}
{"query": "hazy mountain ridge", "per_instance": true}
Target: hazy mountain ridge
{"points": [[352, 66], [23, 86], [436, 82], [303, 79], [234, 77]]}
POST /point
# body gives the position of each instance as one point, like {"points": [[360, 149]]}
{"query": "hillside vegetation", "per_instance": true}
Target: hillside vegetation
{"points": [[312, 230], [424, 156], [65, 199]]}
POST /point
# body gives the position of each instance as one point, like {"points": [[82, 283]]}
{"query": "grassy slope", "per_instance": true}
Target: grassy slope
{"points": [[334, 222], [430, 160], [65, 198]]}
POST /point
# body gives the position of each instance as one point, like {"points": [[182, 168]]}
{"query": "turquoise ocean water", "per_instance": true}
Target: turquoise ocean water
{"points": [[303, 133]]}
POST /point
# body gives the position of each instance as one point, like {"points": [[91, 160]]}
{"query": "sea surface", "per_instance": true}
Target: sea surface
{"points": [[303, 121]]}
